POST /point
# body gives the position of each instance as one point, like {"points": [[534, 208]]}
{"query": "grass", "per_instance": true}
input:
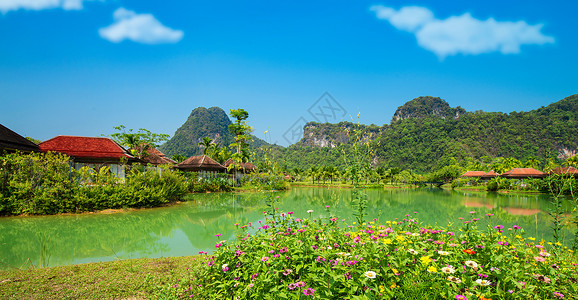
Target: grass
{"points": [[122, 279]]}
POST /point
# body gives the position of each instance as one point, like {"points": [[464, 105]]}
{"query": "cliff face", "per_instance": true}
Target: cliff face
{"points": [[423, 107], [333, 135]]}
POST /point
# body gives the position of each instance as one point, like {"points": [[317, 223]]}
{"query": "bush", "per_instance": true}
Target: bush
{"points": [[322, 258], [45, 183]]}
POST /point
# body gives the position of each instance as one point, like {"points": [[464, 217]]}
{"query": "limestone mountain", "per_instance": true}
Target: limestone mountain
{"points": [[202, 122], [426, 133], [423, 107]]}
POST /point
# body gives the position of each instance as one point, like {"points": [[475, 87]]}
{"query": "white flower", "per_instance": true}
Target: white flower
{"points": [[454, 279], [370, 274], [544, 253], [483, 282], [412, 251], [310, 211], [448, 270], [224, 266], [444, 253], [471, 264]]}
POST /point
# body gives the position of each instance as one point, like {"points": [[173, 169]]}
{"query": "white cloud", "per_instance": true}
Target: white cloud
{"points": [[140, 28], [8, 5], [462, 34]]}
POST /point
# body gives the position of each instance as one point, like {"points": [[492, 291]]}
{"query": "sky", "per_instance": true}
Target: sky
{"points": [[81, 67]]}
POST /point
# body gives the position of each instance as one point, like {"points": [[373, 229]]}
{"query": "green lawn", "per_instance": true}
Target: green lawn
{"points": [[123, 279]]}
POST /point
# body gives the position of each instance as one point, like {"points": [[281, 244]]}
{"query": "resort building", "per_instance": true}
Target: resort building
{"points": [[474, 174], [522, 173], [93, 152], [11, 141], [567, 171], [202, 164]]}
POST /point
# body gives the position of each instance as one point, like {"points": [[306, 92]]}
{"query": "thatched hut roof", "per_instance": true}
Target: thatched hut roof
{"points": [[523, 173], [12, 141], [200, 163]]}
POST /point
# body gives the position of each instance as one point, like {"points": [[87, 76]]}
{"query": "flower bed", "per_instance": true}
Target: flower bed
{"points": [[290, 258]]}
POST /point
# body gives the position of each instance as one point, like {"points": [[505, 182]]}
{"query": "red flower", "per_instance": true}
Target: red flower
{"points": [[469, 251]]}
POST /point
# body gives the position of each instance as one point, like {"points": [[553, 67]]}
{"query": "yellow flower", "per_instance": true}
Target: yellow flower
{"points": [[388, 222], [425, 260], [532, 239], [381, 289], [386, 241], [432, 269], [395, 271], [393, 286], [399, 238], [394, 223]]}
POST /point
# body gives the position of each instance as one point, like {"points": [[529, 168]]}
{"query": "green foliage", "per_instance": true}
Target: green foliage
{"points": [[41, 183], [323, 258], [202, 122], [425, 138], [139, 142], [264, 182]]}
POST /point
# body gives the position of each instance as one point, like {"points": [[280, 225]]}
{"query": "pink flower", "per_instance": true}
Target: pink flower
{"points": [[300, 284], [264, 258], [461, 297], [539, 258], [308, 292]]}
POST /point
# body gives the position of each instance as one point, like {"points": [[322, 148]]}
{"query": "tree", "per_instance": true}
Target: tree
{"points": [[206, 143], [241, 130], [138, 142], [242, 135]]}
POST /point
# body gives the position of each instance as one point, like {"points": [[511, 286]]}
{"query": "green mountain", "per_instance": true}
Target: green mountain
{"points": [[202, 122], [426, 133]]}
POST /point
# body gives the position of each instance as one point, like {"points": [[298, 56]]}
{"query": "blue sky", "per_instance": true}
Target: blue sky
{"points": [[74, 67]]}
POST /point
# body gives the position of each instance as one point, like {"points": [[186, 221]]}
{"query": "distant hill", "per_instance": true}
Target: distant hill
{"points": [[202, 122], [426, 133]]}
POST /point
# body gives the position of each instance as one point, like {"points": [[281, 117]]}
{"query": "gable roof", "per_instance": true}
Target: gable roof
{"points": [[246, 166], [10, 140], [491, 174], [473, 174], [570, 171], [523, 173], [200, 163], [85, 147], [155, 157]]}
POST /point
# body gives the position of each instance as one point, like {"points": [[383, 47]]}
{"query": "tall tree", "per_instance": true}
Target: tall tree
{"points": [[242, 134], [138, 142]]}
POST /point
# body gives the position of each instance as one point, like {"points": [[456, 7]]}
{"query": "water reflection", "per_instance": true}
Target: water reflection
{"points": [[190, 227]]}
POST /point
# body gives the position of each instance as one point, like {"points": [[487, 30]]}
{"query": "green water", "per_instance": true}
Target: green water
{"points": [[190, 227]]}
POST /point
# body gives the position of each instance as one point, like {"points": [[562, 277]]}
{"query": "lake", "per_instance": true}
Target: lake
{"points": [[190, 227]]}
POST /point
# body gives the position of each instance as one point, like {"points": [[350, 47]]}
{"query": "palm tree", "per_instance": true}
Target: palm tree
{"points": [[206, 144]]}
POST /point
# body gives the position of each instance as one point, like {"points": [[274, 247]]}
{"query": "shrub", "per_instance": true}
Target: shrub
{"points": [[289, 258]]}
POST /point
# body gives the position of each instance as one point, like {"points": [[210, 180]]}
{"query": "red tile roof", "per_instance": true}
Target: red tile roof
{"points": [[491, 174], [565, 170], [523, 173], [85, 147], [474, 174], [247, 166], [200, 163]]}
